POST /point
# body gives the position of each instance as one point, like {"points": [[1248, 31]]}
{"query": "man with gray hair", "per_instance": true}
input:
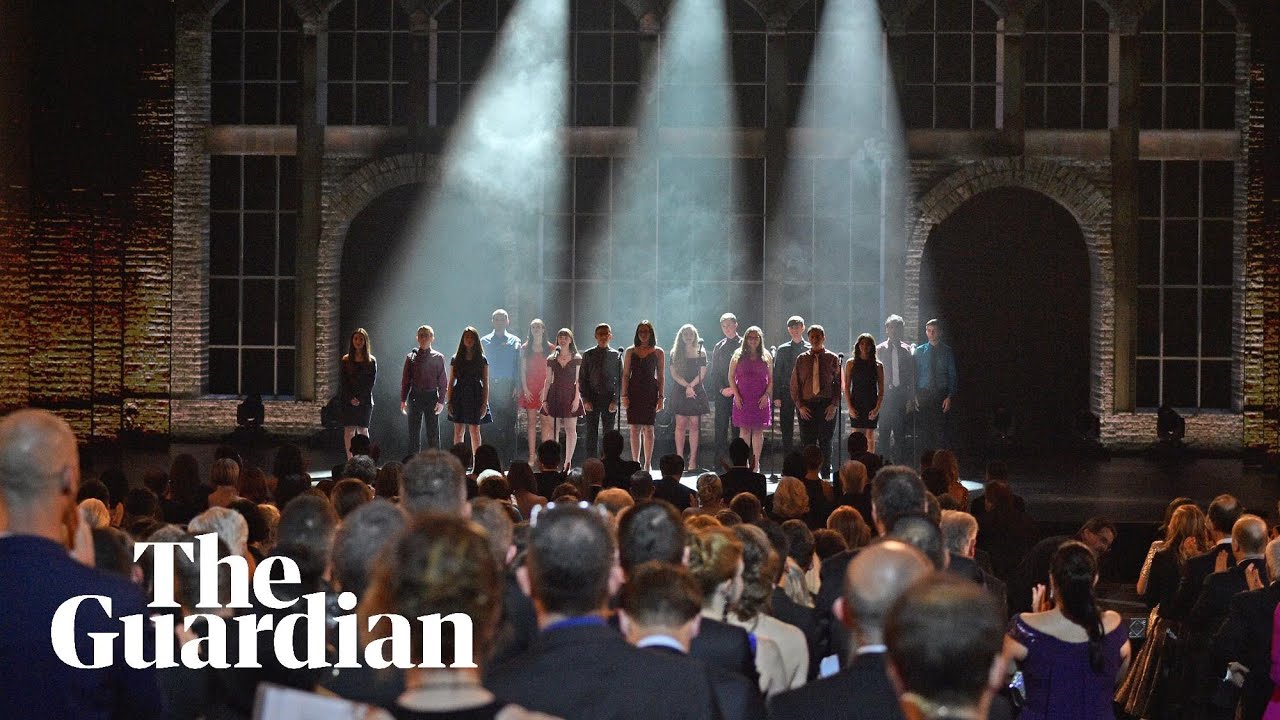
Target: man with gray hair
{"points": [[434, 481], [363, 534], [1243, 643], [960, 536], [874, 580], [39, 479]]}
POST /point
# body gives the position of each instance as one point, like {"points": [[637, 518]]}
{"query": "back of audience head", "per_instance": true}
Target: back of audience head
{"points": [[935, 480], [1187, 521], [224, 472], [486, 458], [748, 507], [434, 481], [520, 478], [946, 461], [660, 597], [779, 542], [944, 640], [593, 472], [1073, 570], [651, 530], [570, 563], [923, 534], [697, 521], [230, 526], [492, 515], [799, 543], [549, 455], [113, 552], [95, 490], [790, 499], [184, 479], [305, 534], [853, 477], [1168, 513], [566, 492], [611, 445], [710, 489], [827, 542], [290, 487], [491, 484], [757, 572], [289, 460], [360, 445], [270, 515], [387, 484], [715, 560], [141, 503], [873, 581], [615, 500], [896, 490], [997, 471], [1223, 513], [813, 458], [739, 452], [728, 518], [94, 513], [157, 481], [440, 565], [361, 540], [850, 525], [671, 465], [926, 459], [349, 494], [362, 468], [117, 484], [856, 444], [253, 485], [462, 452], [187, 576], [259, 532], [959, 532], [793, 464], [641, 486], [1248, 536]]}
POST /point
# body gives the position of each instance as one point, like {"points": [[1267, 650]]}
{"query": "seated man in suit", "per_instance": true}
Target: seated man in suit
{"points": [[944, 641], [1245, 636], [874, 580], [960, 535], [39, 479], [668, 487], [741, 477], [548, 475], [653, 530], [1222, 515], [571, 672], [661, 610]]}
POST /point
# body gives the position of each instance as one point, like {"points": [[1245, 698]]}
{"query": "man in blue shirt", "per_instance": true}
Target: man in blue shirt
{"points": [[502, 350], [935, 388], [39, 479]]}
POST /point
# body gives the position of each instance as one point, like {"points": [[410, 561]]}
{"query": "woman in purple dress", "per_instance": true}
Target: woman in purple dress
{"points": [[751, 380], [1071, 655], [561, 399]]}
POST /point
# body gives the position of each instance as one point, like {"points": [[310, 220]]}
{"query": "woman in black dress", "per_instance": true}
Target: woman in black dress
{"points": [[355, 390], [469, 388], [561, 399], [688, 395], [642, 372], [864, 388]]}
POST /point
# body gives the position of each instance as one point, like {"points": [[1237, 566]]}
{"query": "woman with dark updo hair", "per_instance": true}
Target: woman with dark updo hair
{"points": [[1071, 654]]}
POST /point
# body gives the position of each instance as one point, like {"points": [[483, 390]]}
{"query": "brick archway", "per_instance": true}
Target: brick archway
{"points": [[1089, 205], [343, 202]]}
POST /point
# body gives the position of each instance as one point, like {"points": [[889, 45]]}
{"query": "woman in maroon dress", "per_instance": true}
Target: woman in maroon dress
{"points": [[561, 399], [642, 373], [533, 376]]}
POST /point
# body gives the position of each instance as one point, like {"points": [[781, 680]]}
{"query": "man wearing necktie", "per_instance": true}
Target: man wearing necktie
{"points": [[899, 391], [815, 391], [935, 388]]}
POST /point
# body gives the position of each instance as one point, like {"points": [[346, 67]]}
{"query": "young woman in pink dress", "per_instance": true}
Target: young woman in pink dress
{"points": [[561, 398], [751, 380], [533, 376]]}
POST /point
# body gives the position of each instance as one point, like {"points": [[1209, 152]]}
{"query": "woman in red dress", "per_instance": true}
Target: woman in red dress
{"points": [[533, 375], [561, 399]]}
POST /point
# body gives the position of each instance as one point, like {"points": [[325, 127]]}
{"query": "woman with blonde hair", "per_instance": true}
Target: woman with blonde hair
{"points": [[790, 500], [716, 562], [533, 377], [751, 381], [355, 387], [949, 464], [1186, 535], [688, 396]]}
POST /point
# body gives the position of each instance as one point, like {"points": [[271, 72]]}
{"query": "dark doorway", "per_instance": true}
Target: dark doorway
{"points": [[1008, 273]]}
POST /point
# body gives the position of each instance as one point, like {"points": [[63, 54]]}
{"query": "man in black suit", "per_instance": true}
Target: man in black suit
{"points": [[717, 383], [572, 671], [1222, 516], [661, 610], [741, 477], [874, 581], [1248, 538], [39, 480], [668, 487], [548, 475], [960, 535], [784, 362], [653, 530], [1245, 636], [1096, 533], [599, 381]]}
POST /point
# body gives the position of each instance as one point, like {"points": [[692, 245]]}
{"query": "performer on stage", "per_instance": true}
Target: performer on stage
{"points": [[355, 389], [533, 376], [469, 388], [502, 350], [561, 400], [751, 380], [864, 388], [936, 379], [423, 384], [642, 372], [899, 391], [598, 381], [721, 356], [815, 391], [688, 363], [784, 361]]}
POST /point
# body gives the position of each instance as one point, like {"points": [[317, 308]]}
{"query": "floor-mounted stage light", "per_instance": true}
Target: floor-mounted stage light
{"points": [[1170, 426]]}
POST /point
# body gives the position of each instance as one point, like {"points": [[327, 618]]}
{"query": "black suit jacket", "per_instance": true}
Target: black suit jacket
{"points": [[739, 479], [832, 578], [1215, 596], [735, 697], [727, 647], [968, 568], [675, 493], [1194, 572], [807, 619], [547, 482], [1245, 637], [862, 690], [590, 672]]}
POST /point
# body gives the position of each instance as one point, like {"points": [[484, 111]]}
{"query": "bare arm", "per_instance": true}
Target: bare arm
{"points": [[626, 373], [485, 404], [733, 382], [845, 382], [662, 368], [879, 390]]}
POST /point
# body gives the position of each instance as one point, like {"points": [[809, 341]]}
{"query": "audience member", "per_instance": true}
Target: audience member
{"points": [[741, 476], [230, 527], [821, 494], [947, 461], [350, 494], [790, 500], [434, 481], [751, 612], [258, 533], [592, 477], [486, 459], [617, 472], [855, 488], [923, 534], [710, 495], [642, 486], [549, 473], [224, 475], [827, 542], [94, 513], [1246, 636], [1222, 515], [856, 445], [253, 485], [387, 484], [1004, 528], [801, 573], [850, 525], [960, 536], [1097, 534], [669, 488], [290, 487], [361, 467], [615, 500], [747, 506]]}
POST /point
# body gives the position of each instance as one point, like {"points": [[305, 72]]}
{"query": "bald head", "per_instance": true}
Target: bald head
{"points": [[38, 458], [876, 577], [1249, 535]]}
